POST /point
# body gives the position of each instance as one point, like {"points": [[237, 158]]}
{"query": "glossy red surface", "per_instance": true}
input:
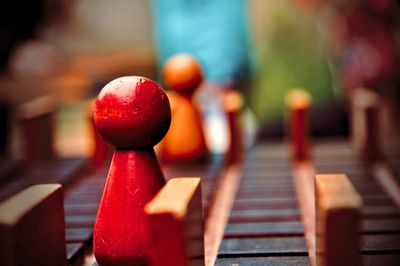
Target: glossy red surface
{"points": [[132, 112], [121, 234]]}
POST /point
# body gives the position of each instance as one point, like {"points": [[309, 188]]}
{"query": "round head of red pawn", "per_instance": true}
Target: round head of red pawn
{"points": [[182, 73], [132, 112]]}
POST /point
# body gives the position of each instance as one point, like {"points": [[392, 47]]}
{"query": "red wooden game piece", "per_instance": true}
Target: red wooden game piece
{"points": [[185, 140], [133, 114]]}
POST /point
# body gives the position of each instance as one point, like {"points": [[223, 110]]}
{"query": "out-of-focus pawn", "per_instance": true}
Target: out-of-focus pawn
{"points": [[365, 105], [36, 120], [185, 140], [309, 6], [298, 102], [233, 102], [133, 114]]}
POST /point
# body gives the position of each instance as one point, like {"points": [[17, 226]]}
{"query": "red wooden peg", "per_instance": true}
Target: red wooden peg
{"points": [[233, 102], [132, 114], [298, 102]]}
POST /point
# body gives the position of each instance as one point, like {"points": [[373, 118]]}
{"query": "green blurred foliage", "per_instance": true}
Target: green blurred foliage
{"points": [[291, 55]]}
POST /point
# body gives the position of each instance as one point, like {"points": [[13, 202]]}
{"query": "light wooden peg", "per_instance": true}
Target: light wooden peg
{"points": [[337, 221], [176, 224], [365, 124], [32, 227]]}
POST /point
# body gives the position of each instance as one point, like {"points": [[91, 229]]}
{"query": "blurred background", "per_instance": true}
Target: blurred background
{"points": [[263, 48]]}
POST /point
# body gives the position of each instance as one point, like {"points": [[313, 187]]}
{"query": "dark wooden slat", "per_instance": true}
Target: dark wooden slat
{"points": [[265, 204], [274, 246], [262, 261], [377, 201], [264, 229], [84, 197], [381, 226], [380, 212], [63, 171], [87, 199], [264, 215], [78, 235], [81, 209], [266, 183], [267, 174], [381, 243], [263, 196], [270, 193], [381, 260], [76, 221]]}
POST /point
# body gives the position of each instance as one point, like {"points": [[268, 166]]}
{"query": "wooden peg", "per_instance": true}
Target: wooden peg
{"points": [[36, 122], [176, 223], [32, 227], [298, 102], [232, 102], [338, 207], [365, 124]]}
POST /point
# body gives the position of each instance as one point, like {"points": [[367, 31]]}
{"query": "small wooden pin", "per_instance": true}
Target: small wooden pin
{"points": [[298, 102], [233, 102], [365, 124]]}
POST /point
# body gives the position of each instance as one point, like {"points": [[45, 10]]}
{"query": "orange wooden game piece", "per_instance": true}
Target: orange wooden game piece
{"points": [[185, 140], [132, 114]]}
